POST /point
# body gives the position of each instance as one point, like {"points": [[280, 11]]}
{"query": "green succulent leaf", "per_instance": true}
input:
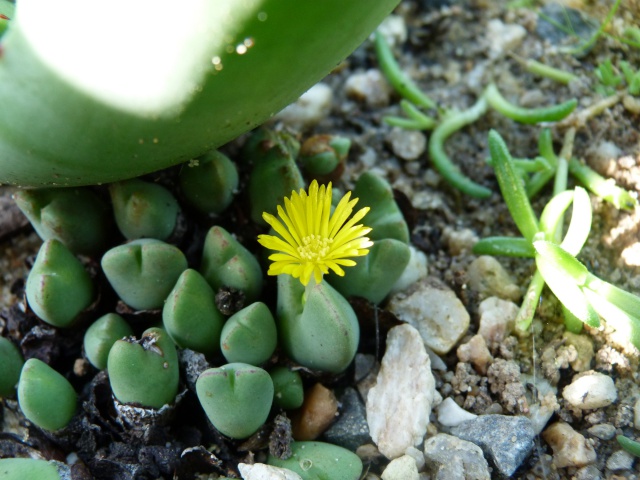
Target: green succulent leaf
{"points": [[100, 337], [11, 363]]}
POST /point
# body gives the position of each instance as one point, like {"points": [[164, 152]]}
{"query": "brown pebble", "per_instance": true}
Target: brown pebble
{"points": [[317, 412]]}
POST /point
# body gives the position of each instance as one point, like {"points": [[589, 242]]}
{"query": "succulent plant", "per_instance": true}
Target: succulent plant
{"points": [[45, 397], [58, 287], [385, 217], [374, 276], [321, 155], [144, 372], [190, 316], [144, 209], [250, 335], [317, 326], [209, 182], [27, 469], [115, 105], [227, 263], [236, 398], [100, 337], [288, 390], [11, 362], [76, 217], [319, 460], [143, 272]]}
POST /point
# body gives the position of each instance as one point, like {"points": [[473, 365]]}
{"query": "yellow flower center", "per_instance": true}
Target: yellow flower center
{"points": [[314, 247]]}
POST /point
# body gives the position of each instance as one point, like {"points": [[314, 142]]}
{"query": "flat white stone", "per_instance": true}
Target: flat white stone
{"points": [[261, 471], [313, 106], [370, 87], [435, 311], [399, 405], [401, 468], [497, 319], [592, 390], [489, 278], [450, 414]]}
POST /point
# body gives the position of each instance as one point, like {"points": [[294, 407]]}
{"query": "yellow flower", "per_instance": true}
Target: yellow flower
{"points": [[313, 240]]}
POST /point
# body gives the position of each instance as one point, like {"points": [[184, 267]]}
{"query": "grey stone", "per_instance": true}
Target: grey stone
{"points": [[450, 458], [553, 14], [350, 430], [505, 440], [620, 460], [603, 431]]}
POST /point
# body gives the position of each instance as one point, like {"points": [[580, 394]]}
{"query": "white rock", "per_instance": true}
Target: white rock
{"points": [[415, 270], [435, 311], [399, 405], [459, 241], [394, 30], [503, 37], [450, 414], [261, 471], [369, 87], [497, 319], [401, 468], [619, 460], [570, 448], [417, 455], [584, 347], [312, 107], [489, 278], [589, 391], [407, 144]]}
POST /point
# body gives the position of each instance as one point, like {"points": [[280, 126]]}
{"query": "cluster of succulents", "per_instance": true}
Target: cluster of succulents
{"points": [[155, 286]]}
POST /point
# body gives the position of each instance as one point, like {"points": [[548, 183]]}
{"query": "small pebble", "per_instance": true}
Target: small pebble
{"points": [[489, 278], [261, 471], [401, 468], [620, 460], [570, 448], [399, 406], [450, 414], [394, 30], [450, 458], [310, 109], [591, 390], [370, 88], [435, 311], [475, 351], [497, 320], [603, 431], [505, 440], [502, 37], [318, 411], [350, 430], [584, 346], [407, 144], [459, 241]]}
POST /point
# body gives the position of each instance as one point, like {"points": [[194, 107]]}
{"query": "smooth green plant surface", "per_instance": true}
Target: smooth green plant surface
{"points": [[250, 335], [584, 296], [27, 469], [84, 104], [100, 337], [288, 390], [144, 372], [11, 362], [45, 397], [629, 445], [320, 461]]}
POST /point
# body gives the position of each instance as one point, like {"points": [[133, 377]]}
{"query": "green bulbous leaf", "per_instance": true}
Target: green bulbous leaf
{"points": [[236, 398], [58, 287], [83, 103], [144, 209], [273, 177], [375, 274], [209, 183], [143, 272], [11, 363], [46, 398], [227, 263], [385, 217], [320, 332], [77, 217], [190, 315], [320, 461], [144, 372], [250, 335], [100, 337], [288, 391], [27, 469]]}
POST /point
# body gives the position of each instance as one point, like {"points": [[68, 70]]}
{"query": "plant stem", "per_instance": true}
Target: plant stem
{"points": [[602, 187], [530, 302], [451, 173], [505, 246], [527, 115]]}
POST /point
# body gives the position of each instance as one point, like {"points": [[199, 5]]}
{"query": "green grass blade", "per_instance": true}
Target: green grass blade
{"points": [[504, 246]]}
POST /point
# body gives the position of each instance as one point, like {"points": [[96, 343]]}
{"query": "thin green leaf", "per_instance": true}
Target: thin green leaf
{"points": [[628, 326], [562, 261], [580, 224], [504, 246], [626, 301], [629, 445], [512, 188], [553, 212]]}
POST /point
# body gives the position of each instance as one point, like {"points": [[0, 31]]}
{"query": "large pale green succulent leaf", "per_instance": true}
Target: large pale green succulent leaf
{"points": [[95, 92]]}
